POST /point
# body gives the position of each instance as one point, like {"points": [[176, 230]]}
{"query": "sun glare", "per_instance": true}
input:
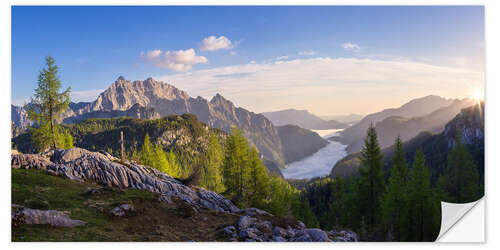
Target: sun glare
{"points": [[477, 94]]}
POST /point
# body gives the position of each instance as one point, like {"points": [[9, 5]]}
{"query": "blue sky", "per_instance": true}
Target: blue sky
{"points": [[324, 59]]}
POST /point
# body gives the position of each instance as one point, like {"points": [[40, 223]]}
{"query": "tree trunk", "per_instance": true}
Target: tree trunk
{"points": [[54, 143], [123, 147]]}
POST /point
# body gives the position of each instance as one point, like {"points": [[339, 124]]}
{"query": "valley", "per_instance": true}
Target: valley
{"points": [[320, 163]]}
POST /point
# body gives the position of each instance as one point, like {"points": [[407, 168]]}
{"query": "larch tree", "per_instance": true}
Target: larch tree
{"points": [[258, 181], [211, 175], [46, 106]]}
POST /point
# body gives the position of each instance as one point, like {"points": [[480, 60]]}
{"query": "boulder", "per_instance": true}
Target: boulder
{"points": [[50, 217], [122, 210], [230, 230], [301, 236], [343, 236], [251, 233], [317, 235], [245, 222]]}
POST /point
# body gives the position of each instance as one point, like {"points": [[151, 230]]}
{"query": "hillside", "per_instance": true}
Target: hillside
{"points": [[300, 142], [302, 118], [78, 195], [469, 123], [354, 135]]}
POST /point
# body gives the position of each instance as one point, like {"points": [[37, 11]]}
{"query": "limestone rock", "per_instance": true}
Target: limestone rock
{"points": [[83, 165], [50, 217], [122, 210]]}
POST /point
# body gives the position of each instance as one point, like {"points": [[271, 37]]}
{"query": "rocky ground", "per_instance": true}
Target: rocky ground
{"points": [[101, 199]]}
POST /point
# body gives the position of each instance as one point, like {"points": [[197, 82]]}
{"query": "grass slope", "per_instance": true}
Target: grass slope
{"points": [[152, 221]]}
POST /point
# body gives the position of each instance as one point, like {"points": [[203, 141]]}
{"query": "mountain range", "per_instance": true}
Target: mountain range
{"points": [[303, 119], [468, 123], [429, 113], [150, 99]]}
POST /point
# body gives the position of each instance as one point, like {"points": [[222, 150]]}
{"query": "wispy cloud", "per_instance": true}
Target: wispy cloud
{"points": [[307, 53], [85, 95], [281, 57], [212, 43], [326, 85], [179, 60], [233, 53], [351, 47]]}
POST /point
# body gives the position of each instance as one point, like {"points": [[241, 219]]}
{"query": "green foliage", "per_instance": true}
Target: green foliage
{"points": [[302, 211], [371, 184], [155, 157], [281, 199], [235, 169], [46, 105], [423, 205], [259, 181], [461, 181], [211, 174], [147, 155], [42, 137], [394, 202]]}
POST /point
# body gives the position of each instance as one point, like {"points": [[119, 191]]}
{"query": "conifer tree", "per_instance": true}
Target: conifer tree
{"points": [[46, 106], [234, 167], [422, 209], [395, 199], [461, 178], [147, 155], [399, 160], [258, 186], [211, 176], [175, 167], [371, 184]]}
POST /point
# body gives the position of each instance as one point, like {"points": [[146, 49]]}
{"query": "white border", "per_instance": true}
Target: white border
{"points": [[492, 122]]}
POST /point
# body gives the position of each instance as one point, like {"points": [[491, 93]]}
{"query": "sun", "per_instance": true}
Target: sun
{"points": [[478, 95]]}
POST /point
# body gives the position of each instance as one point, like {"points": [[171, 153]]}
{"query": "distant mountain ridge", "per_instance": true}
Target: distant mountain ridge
{"points": [[354, 135], [469, 123], [301, 118]]}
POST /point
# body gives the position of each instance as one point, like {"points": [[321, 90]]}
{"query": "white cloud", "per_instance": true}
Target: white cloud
{"points": [[179, 60], [350, 47], [212, 43], [85, 95], [233, 53], [308, 53], [281, 57], [327, 85]]}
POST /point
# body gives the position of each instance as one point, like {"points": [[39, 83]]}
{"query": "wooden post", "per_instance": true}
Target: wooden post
{"points": [[123, 146]]}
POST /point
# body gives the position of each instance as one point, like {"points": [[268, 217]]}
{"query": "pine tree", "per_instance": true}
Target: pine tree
{"points": [[371, 184], [422, 210], [399, 160], [461, 178], [46, 106], [395, 199]]}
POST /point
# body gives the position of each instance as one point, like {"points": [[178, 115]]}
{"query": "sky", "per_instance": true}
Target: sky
{"points": [[330, 60]]}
